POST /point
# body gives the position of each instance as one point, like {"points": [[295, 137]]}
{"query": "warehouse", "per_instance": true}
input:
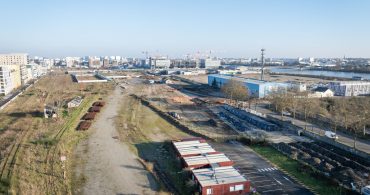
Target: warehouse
{"points": [[256, 88], [185, 148], [207, 160], [350, 88], [220, 180]]}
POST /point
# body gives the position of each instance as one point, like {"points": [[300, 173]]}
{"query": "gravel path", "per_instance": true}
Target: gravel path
{"points": [[110, 167]]}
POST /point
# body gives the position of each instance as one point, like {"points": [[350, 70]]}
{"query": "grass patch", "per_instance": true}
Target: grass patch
{"points": [[293, 167], [44, 141]]}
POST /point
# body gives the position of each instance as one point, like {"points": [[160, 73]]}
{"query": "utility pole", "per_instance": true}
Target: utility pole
{"points": [[262, 62]]}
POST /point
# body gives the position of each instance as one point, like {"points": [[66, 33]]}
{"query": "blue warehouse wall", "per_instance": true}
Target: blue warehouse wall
{"points": [[254, 89]]}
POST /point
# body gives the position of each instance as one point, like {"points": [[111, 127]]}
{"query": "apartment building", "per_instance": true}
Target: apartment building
{"points": [[17, 63], [6, 85], [14, 59]]}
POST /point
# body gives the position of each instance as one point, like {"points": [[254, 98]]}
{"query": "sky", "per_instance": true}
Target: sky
{"points": [[174, 28]]}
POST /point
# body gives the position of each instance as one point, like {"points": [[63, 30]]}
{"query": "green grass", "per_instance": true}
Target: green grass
{"points": [[291, 166]]}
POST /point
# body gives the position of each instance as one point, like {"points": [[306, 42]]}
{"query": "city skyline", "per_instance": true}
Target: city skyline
{"points": [[239, 29]]}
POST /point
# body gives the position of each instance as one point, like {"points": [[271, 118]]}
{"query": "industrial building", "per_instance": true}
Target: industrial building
{"points": [[185, 148], [321, 92], [161, 63], [220, 180], [350, 88], [212, 63], [211, 171], [207, 160], [256, 88]]}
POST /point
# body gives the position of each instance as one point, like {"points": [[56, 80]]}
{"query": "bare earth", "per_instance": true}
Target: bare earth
{"points": [[110, 167]]}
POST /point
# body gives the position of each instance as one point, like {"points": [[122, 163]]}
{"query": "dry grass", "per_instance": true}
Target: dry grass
{"points": [[36, 171]]}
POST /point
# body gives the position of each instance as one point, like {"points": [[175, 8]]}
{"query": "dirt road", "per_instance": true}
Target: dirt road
{"points": [[109, 166]]}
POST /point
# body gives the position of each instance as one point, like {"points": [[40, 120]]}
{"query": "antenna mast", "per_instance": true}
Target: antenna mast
{"points": [[262, 62]]}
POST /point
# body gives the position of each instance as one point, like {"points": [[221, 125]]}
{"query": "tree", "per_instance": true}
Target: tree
{"points": [[335, 118], [235, 90], [281, 102], [309, 107]]}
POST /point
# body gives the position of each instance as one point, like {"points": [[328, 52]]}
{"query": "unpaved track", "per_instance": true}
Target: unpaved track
{"points": [[110, 167]]}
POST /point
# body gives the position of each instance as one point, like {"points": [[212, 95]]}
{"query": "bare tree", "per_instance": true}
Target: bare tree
{"points": [[309, 107], [281, 102], [235, 90]]}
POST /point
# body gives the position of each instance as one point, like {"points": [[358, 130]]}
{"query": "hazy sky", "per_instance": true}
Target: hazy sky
{"points": [[234, 28]]}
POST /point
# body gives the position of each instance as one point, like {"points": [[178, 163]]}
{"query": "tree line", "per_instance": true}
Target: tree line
{"points": [[351, 114]]}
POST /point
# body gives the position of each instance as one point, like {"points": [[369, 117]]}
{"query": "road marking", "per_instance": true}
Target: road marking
{"points": [[287, 179], [262, 181], [266, 169], [274, 184], [278, 181], [256, 176], [251, 172], [272, 190]]}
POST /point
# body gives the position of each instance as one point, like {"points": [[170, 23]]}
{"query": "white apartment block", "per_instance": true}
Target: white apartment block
{"points": [[72, 61], [6, 85], [350, 88], [13, 59]]}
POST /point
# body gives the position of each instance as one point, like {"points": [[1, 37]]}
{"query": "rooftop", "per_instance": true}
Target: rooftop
{"points": [[351, 82], [321, 89], [193, 147], [217, 176], [206, 159], [247, 80]]}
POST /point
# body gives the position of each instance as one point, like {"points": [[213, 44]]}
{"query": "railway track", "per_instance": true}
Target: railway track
{"points": [[10, 159], [52, 150]]}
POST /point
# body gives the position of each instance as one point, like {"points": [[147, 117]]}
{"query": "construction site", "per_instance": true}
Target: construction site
{"points": [[72, 135], [197, 110]]}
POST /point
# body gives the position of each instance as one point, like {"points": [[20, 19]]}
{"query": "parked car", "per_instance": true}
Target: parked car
{"points": [[287, 113], [331, 135], [365, 190], [175, 115]]}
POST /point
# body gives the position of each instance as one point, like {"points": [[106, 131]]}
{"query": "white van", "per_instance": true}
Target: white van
{"points": [[331, 135]]}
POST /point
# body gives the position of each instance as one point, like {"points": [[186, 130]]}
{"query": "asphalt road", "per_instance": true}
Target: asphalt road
{"points": [[266, 178], [8, 97], [361, 144]]}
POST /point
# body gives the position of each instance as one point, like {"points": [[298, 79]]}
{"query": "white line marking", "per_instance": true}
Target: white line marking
{"points": [[278, 181], [256, 176], [274, 184], [267, 180], [272, 190], [287, 179]]}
